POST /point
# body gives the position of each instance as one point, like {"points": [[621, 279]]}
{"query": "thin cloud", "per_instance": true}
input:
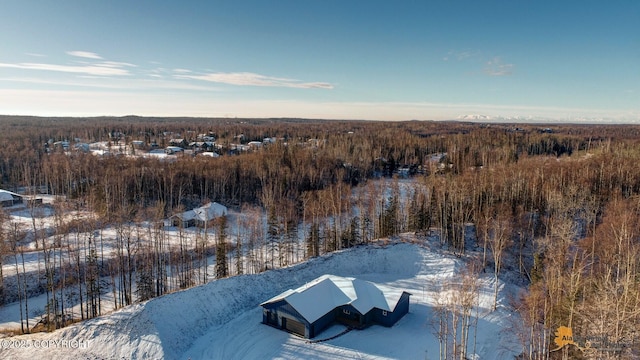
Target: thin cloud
{"points": [[181, 71], [252, 79], [84, 54], [115, 64], [461, 55], [495, 67], [98, 69], [114, 83]]}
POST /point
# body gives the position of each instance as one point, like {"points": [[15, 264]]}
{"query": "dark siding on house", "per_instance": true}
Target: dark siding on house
{"points": [[392, 317], [321, 324], [282, 309], [16, 200], [176, 221], [269, 317], [348, 315], [282, 315], [369, 317]]}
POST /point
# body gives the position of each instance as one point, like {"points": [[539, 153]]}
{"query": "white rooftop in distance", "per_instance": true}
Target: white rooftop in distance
{"points": [[6, 195]]}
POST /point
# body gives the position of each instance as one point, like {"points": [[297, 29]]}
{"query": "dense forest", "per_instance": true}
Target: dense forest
{"points": [[558, 205]]}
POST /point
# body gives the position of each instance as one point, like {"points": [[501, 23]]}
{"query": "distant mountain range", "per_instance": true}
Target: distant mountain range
{"points": [[539, 119]]}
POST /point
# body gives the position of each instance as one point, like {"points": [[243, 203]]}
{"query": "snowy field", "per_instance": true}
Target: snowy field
{"points": [[222, 319]]}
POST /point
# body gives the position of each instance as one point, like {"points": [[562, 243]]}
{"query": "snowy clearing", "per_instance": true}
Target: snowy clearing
{"points": [[222, 319]]}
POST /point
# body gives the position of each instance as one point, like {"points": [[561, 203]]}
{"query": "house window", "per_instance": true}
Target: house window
{"points": [[346, 312], [384, 312]]}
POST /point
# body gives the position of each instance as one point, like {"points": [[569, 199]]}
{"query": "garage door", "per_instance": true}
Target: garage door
{"points": [[295, 327]]}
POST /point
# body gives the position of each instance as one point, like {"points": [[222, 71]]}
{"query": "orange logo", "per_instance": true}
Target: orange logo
{"points": [[564, 336]]}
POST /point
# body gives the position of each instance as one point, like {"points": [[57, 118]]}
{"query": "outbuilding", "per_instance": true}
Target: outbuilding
{"points": [[8, 198], [202, 217], [311, 308]]}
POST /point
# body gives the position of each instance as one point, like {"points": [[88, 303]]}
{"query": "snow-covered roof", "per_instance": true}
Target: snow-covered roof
{"points": [[82, 147], [204, 213], [209, 153], [318, 297], [210, 211], [6, 195]]}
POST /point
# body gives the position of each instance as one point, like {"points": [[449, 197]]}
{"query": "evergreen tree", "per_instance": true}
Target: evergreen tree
{"points": [[222, 269], [390, 216], [273, 234], [144, 284], [313, 241], [92, 284], [351, 237], [239, 257]]}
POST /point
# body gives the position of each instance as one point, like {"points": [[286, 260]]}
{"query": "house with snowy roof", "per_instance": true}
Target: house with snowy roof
{"points": [[201, 217], [182, 143], [311, 308], [8, 198]]}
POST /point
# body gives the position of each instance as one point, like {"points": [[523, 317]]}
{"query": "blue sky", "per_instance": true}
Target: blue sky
{"points": [[378, 60]]}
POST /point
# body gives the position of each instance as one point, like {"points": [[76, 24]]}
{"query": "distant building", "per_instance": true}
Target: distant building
{"points": [[64, 145], [200, 146], [170, 150], [82, 147], [209, 154], [138, 144], [8, 198], [206, 137], [201, 217], [179, 143], [311, 308]]}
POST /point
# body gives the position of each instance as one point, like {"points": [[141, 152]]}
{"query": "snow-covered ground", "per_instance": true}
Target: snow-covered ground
{"points": [[222, 319]]}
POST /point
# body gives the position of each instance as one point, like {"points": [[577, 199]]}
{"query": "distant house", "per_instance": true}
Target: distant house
{"points": [[201, 145], [240, 147], [64, 145], [8, 198], [201, 217], [206, 137], [311, 308], [179, 143], [173, 150], [209, 154], [138, 144], [82, 147]]}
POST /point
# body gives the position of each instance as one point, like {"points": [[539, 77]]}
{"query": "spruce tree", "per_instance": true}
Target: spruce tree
{"points": [[222, 270]]}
